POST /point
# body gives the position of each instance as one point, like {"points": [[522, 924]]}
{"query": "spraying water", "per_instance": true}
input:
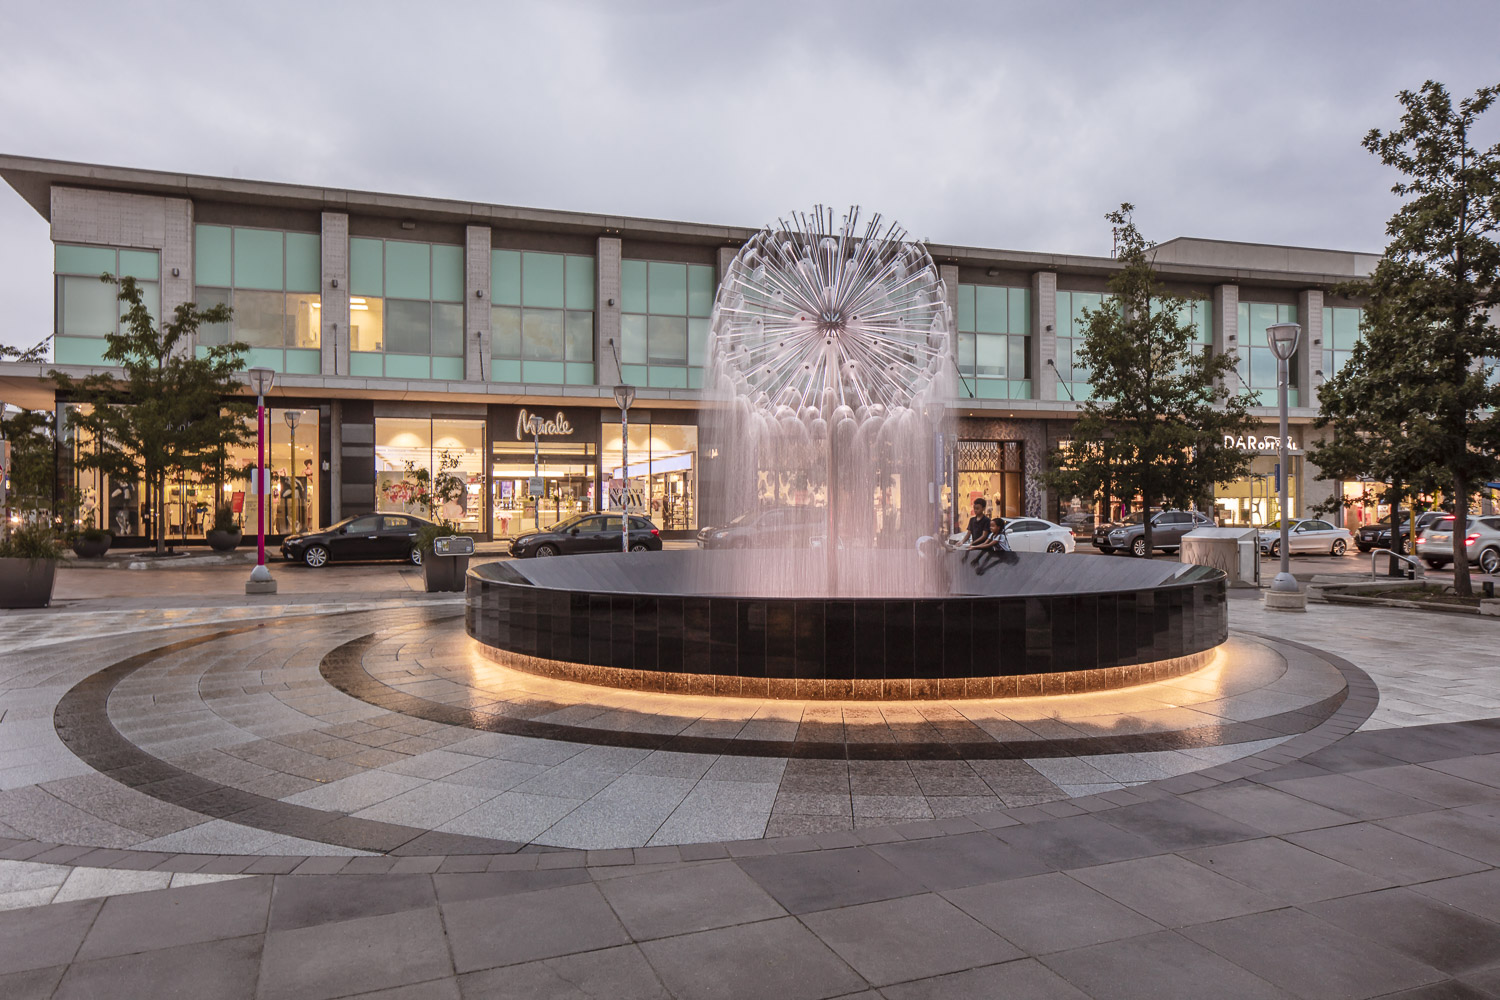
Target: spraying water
{"points": [[830, 363]]}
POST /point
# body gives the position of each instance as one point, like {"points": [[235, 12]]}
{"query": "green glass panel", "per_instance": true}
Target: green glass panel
{"points": [[408, 270], [697, 341], [304, 262], [505, 332], [260, 318], [505, 370], [966, 308], [633, 291], [448, 329], [579, 335], [366, 267], [447, 274], [542, 280], [1293, 396], [265, 357], [144, 265], [668, 283], [92, 261], [700, 290], [300, 362], [667, 339], [1286, 314], [408, 327], [695, 378], [211, 255], [668, 377], [580, 282], [632, 339], [990, 353], [87, 307], [635, 374], [408, 366], [257, 259], [1020, 310], [505, 277], [966, 353], [213, 333], [1020, 389], [1017, 359], [151, 298], [448, 369], [1346, 328], [543, 371], [580, 374], [990, 311], [366, 364], [78, 350], [991, 388], [542, 334]]}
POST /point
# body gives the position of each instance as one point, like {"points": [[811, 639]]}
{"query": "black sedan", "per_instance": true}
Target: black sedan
{"points": [[367, 536], [587, 533]]}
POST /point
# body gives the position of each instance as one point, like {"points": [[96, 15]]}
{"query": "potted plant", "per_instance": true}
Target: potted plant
{"points": [[225, 534], [436, 495], [443, 572], [91, 543], [28, 564]]}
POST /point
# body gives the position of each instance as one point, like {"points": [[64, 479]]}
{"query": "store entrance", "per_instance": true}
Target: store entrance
{"points": [[569, 477]]}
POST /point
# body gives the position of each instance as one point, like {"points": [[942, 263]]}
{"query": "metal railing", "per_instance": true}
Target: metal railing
{"points": [[1411, 561]]}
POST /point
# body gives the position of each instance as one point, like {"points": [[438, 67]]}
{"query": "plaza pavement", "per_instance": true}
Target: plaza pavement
{"points": [[1355, 857]]}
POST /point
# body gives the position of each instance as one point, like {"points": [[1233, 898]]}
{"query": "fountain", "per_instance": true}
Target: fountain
{"points": [[831, 361]]}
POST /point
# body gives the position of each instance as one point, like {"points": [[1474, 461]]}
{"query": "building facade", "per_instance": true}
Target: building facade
{"points": [[420, 332]]}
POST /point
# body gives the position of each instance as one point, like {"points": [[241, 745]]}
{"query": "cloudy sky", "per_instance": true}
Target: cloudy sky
{"points": [[998, 124]]}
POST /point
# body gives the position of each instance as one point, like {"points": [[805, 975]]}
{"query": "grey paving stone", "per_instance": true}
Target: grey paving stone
{"points": [[210, 970], [1284, 871], [44, 936], [1435, 933], [427, 806], [1173, 891], [310, 900], [433, 989], [955, 861], [35, 984], [1050, 912], [897, 940], [1310, 957], [1478, 893], [1470, 834], [1351, 796], [682, 900], [512, 815], [1429, 785], [1266, 808], [352, 956], [620, 973], [500, 775], [1386, 853], [1077, 841], [485, 885], [1174, 824], [506, 930], [356, 792], [149, 920], [797, 825], [718, 810], [1025, 979], [818, 881], [1161, 966], [769, 960], [1450, 989]]}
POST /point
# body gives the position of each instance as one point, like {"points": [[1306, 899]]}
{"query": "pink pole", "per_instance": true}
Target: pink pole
{"points": [[260, 483]]}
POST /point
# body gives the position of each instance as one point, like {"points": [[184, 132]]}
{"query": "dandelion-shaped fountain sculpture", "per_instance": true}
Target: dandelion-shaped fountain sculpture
{"points": [[829, 365]]}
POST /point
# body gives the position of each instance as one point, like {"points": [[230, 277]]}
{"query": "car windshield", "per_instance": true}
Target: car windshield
{"points": [[1136, 518], [569, 522], [741, 519], [1276, 525]]}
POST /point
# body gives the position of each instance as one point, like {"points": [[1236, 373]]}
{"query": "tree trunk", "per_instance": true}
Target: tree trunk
{"points": [[1146, 512], [1463, 586], [1393, 565]]}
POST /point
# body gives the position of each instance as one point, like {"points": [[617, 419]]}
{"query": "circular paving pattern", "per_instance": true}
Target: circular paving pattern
{"points": [[389, 732]]}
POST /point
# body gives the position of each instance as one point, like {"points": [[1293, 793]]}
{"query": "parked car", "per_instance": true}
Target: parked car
{"points": [[587, 533], [1305, 535], [772, 528], [1378, 536], [364, 536], [1167, 529], [1102, 530], [1029, 534], [1481, 544], [1080, 523]]}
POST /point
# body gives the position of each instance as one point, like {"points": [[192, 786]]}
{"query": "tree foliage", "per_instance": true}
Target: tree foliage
{"points": [[1420, 397], [168, 416], [33, 462], [1156, 420]]}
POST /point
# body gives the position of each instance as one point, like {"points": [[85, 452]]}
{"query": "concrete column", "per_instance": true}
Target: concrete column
{"points": [[1043, 335], [726, 257], [335, 459], [1226, 310], [477, 304], [177, 258], [1309, 359], [335, 301], [607, 311]]}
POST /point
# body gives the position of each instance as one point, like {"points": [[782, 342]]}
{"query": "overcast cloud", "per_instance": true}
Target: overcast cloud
{"points": [[1012, 125]]}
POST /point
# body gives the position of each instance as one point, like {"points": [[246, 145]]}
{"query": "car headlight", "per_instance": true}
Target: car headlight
{"points": [[1117, 533]]}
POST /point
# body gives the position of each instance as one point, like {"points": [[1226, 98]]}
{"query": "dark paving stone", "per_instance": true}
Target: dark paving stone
{"points": [[770, 960], [1442, 936], [1077, 841], [1349, 755], [1174, 824], [618, 973], [1478, 893], [1285, 872], [188, 915], [1173, 891], [1162, 966], [682, 900], [824, 879], [352, 956], [1451, 989], [956, 861], [1347, 794], [1386, 853], [1051, 912], [483, 885], [211, 970], [34, 984], [1311, 958], [1026, 979], [897, 940], [42, 936], [506, 930], [1470, 834], [436, 989], [1488, 982], [1484, 768], [1265, 808], [309, 900], [1430, 785]]}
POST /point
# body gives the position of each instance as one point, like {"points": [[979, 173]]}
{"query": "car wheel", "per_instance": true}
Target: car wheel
{"points": [[1057, 547], [1434, 563], [415, 555], [1340, 546], [639, 547], [316, 556], [1364, 548], [1106, 550], [1138, 548], [543, 551], [1275, 550], [1489, 561]]}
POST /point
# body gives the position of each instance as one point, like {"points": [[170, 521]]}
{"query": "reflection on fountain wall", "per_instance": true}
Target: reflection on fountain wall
{"points": [[830, 362]]}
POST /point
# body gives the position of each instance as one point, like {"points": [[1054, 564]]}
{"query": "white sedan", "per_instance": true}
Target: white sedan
{"points": [[1031, 534], [1306, 536]]}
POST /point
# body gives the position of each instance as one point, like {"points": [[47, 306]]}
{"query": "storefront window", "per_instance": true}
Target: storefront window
{"points": [[663, 470], [270, 279], [993, 470], [425, 443], [293, 462], [567, 470], [1254, 499], [406, 312], [88, 309]]}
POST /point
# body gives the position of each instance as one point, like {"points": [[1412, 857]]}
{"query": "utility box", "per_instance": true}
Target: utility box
{"points": [[1236, 551]]}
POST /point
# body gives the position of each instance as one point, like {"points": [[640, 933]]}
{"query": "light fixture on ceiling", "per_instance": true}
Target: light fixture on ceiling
{"points": [[408, 224], [479, 293], [334, 282], [176, 273], [993, 272]]}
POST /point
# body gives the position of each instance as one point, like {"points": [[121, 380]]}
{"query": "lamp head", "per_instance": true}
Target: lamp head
{"points": [[1283, 338], [293, 418], [261, 379], [624, 396]]}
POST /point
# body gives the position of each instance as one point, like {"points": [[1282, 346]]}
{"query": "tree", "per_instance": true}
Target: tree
{"points": [[173, 413], [1421, 389], [33, 460], [1156, 421]]}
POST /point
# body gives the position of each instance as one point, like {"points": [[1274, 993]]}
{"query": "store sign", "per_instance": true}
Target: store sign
{"points": [[1267, 445], [558, 426]]}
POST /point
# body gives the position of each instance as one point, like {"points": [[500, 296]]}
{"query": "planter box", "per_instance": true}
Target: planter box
{"points": [[224, 541], [444, 573], [26, 583], [86, 548]]}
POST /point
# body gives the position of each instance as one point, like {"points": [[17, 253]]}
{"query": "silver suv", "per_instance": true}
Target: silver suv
{"points": [[1482, 544], [1167, 529]]}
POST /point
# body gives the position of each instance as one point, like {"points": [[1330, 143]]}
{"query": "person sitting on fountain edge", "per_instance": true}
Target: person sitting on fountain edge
{"points": [[979, 525]]}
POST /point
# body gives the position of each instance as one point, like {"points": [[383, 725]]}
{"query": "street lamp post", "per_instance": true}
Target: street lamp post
{"points": [[1283, 338], [536, 467], [260, 581], [624, 396], [293, 418]]}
